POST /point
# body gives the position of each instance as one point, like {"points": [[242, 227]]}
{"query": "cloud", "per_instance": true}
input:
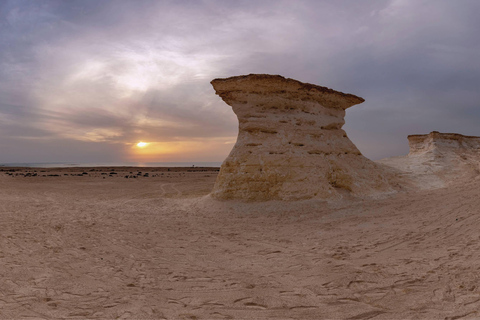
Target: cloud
{"points": [[113, 73]]}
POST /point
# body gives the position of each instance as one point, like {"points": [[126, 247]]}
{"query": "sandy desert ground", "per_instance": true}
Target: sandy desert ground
{"points": [[92, 244]]}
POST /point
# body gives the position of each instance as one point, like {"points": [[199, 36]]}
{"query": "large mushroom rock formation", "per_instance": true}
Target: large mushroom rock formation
{"points": [[436, 159], [290, 144]]}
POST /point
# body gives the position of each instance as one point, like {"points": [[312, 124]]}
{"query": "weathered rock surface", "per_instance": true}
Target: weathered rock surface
{"points": [[439, 144], [436, 159], [290, 144]]}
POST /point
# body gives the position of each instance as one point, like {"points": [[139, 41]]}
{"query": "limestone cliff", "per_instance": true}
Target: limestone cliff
{"points": [[440, 143], [437, 159], [290, 143]]}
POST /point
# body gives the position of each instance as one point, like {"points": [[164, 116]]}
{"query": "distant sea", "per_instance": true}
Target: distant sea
{"points": [[112, 164]]}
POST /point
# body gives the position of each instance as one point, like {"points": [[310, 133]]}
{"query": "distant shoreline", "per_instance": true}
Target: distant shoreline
{"points": [[111, 165]]}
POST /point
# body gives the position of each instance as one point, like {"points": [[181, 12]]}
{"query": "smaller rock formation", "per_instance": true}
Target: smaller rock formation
{"points": [[440, 144], [290, 143], [436, 159]]}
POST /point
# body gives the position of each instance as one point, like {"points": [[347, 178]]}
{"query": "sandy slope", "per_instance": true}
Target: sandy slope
{"points": [[157, 247]]}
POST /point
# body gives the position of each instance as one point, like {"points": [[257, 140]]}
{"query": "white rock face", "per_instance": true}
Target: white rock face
{"points": [[436, 159], [290, 144], [438, 144]]}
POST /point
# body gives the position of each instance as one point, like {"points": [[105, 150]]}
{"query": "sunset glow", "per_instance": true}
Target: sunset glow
{"points": [[179, 150], [142, 144]]}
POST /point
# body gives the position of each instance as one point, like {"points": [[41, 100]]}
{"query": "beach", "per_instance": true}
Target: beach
{"points": [[88, 243]]}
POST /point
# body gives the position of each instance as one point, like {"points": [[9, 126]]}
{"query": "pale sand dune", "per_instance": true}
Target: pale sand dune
{"points": [[159, 247]]}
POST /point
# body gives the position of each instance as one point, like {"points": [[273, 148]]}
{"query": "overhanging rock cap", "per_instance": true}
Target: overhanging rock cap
{"points": [[285, 87]]}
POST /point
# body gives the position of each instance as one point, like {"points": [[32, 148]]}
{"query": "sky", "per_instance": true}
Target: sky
{"points": [[87, 80]]}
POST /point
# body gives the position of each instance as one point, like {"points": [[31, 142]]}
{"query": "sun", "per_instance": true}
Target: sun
{"points": [[142, 144]]}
